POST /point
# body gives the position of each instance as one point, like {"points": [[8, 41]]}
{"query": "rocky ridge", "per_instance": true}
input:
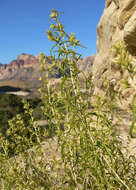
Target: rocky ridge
{"points": [[27, 68]]}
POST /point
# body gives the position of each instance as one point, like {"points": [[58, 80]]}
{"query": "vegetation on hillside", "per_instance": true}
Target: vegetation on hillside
{"points": [[88, 155], [11, 105]]}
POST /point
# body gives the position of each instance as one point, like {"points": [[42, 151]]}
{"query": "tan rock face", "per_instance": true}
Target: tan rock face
{"points": [[108, 33], [127, 8], [118, 23]]}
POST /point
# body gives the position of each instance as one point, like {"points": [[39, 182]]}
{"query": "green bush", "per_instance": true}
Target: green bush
{"points": [[11, 105], [88, 154]]}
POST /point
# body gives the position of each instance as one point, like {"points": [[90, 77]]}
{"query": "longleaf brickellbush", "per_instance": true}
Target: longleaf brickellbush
{"points": [[88, 154]]}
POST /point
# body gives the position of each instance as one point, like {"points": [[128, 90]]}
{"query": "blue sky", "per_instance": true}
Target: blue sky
{"points": [[23, 24]]}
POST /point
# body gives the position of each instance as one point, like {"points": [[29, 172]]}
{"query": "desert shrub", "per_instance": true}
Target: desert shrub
{"points": [[10, 100], [88, 154], [11, 105]]}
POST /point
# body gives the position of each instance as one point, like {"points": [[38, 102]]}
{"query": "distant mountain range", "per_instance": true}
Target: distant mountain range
{"points": [[24, 73], [27, 68], [24, 68]]}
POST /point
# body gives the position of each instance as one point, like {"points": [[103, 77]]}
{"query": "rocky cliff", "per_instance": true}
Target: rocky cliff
{"points": [[118, 23], [27, 68]]}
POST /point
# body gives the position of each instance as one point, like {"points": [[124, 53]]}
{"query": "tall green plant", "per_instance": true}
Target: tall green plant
{"points": [[88, 153]]}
